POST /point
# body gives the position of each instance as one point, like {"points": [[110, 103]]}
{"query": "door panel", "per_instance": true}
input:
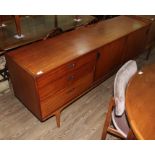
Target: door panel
{"points": [[109, 57], [136, 43]]}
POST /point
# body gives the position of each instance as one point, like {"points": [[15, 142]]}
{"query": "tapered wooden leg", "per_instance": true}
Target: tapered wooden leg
{"points": [[104, 133], [108, 119], [131, 135], [18, 24], [57, 115], [105, 128]]}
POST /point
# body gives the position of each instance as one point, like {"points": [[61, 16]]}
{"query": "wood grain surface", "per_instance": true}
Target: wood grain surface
{"points": [[55, 72], [140, 103], [49, 54], [84, 119]]}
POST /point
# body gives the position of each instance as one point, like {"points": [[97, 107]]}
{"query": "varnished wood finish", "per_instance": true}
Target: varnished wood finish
{"points": [[47, 55], [150, 43], [136, 43], [57, 115], [64, 67], [151, 33], [82, 120], [18, 25], [109, 57], [71, 90], [24, 87], [115, 132], [56, 88], [140, 103]]}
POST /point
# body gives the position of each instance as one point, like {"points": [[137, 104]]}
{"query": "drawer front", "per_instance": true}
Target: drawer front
{"points": [[67, 80], [56, 101], [66, 68]]}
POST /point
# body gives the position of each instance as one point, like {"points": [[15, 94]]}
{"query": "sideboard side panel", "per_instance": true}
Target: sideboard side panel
{"points": [[24, 87]]}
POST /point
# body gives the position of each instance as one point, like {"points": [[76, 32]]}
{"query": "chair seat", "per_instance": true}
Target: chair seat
{"points": [[121, 124]]}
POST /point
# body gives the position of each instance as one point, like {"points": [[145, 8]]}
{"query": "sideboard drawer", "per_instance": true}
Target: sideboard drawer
{"points": [[67, 80], [56, 101], [66, 68]]}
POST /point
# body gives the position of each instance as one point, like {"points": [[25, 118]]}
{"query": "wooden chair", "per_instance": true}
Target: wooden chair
{"points": [[116, 121]]}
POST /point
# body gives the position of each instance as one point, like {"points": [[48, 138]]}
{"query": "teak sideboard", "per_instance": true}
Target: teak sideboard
{"points": [[49, 75]]}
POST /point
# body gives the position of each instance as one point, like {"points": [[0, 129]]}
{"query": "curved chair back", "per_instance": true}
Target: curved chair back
{"points": [[121, 80]]}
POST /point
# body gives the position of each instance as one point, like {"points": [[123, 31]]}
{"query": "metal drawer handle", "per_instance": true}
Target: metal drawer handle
{"points": [[98, 55], [70, 66], [70, 78]]}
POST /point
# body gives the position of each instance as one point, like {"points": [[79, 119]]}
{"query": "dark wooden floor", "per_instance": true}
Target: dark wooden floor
{"points": [[83, 119]]}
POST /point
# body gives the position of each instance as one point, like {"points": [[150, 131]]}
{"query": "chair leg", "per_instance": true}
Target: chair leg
{"points": [[115, 133], [108, 119], [57, 115], [104, 132], [131, 135]]}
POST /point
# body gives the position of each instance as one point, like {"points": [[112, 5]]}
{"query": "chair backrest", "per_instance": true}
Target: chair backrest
{"points": [[121, 80]]}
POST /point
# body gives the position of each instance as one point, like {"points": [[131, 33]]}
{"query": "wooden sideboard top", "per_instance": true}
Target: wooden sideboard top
{"points": [[46, 55], [149, 17]]}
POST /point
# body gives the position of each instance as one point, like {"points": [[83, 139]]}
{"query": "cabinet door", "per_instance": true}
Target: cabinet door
{"points": [[136, 43], [109, 57]]}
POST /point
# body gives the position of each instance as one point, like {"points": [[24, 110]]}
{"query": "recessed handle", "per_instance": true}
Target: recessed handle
{"points": [[72, 65], [71, 78], [98, 55]]}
